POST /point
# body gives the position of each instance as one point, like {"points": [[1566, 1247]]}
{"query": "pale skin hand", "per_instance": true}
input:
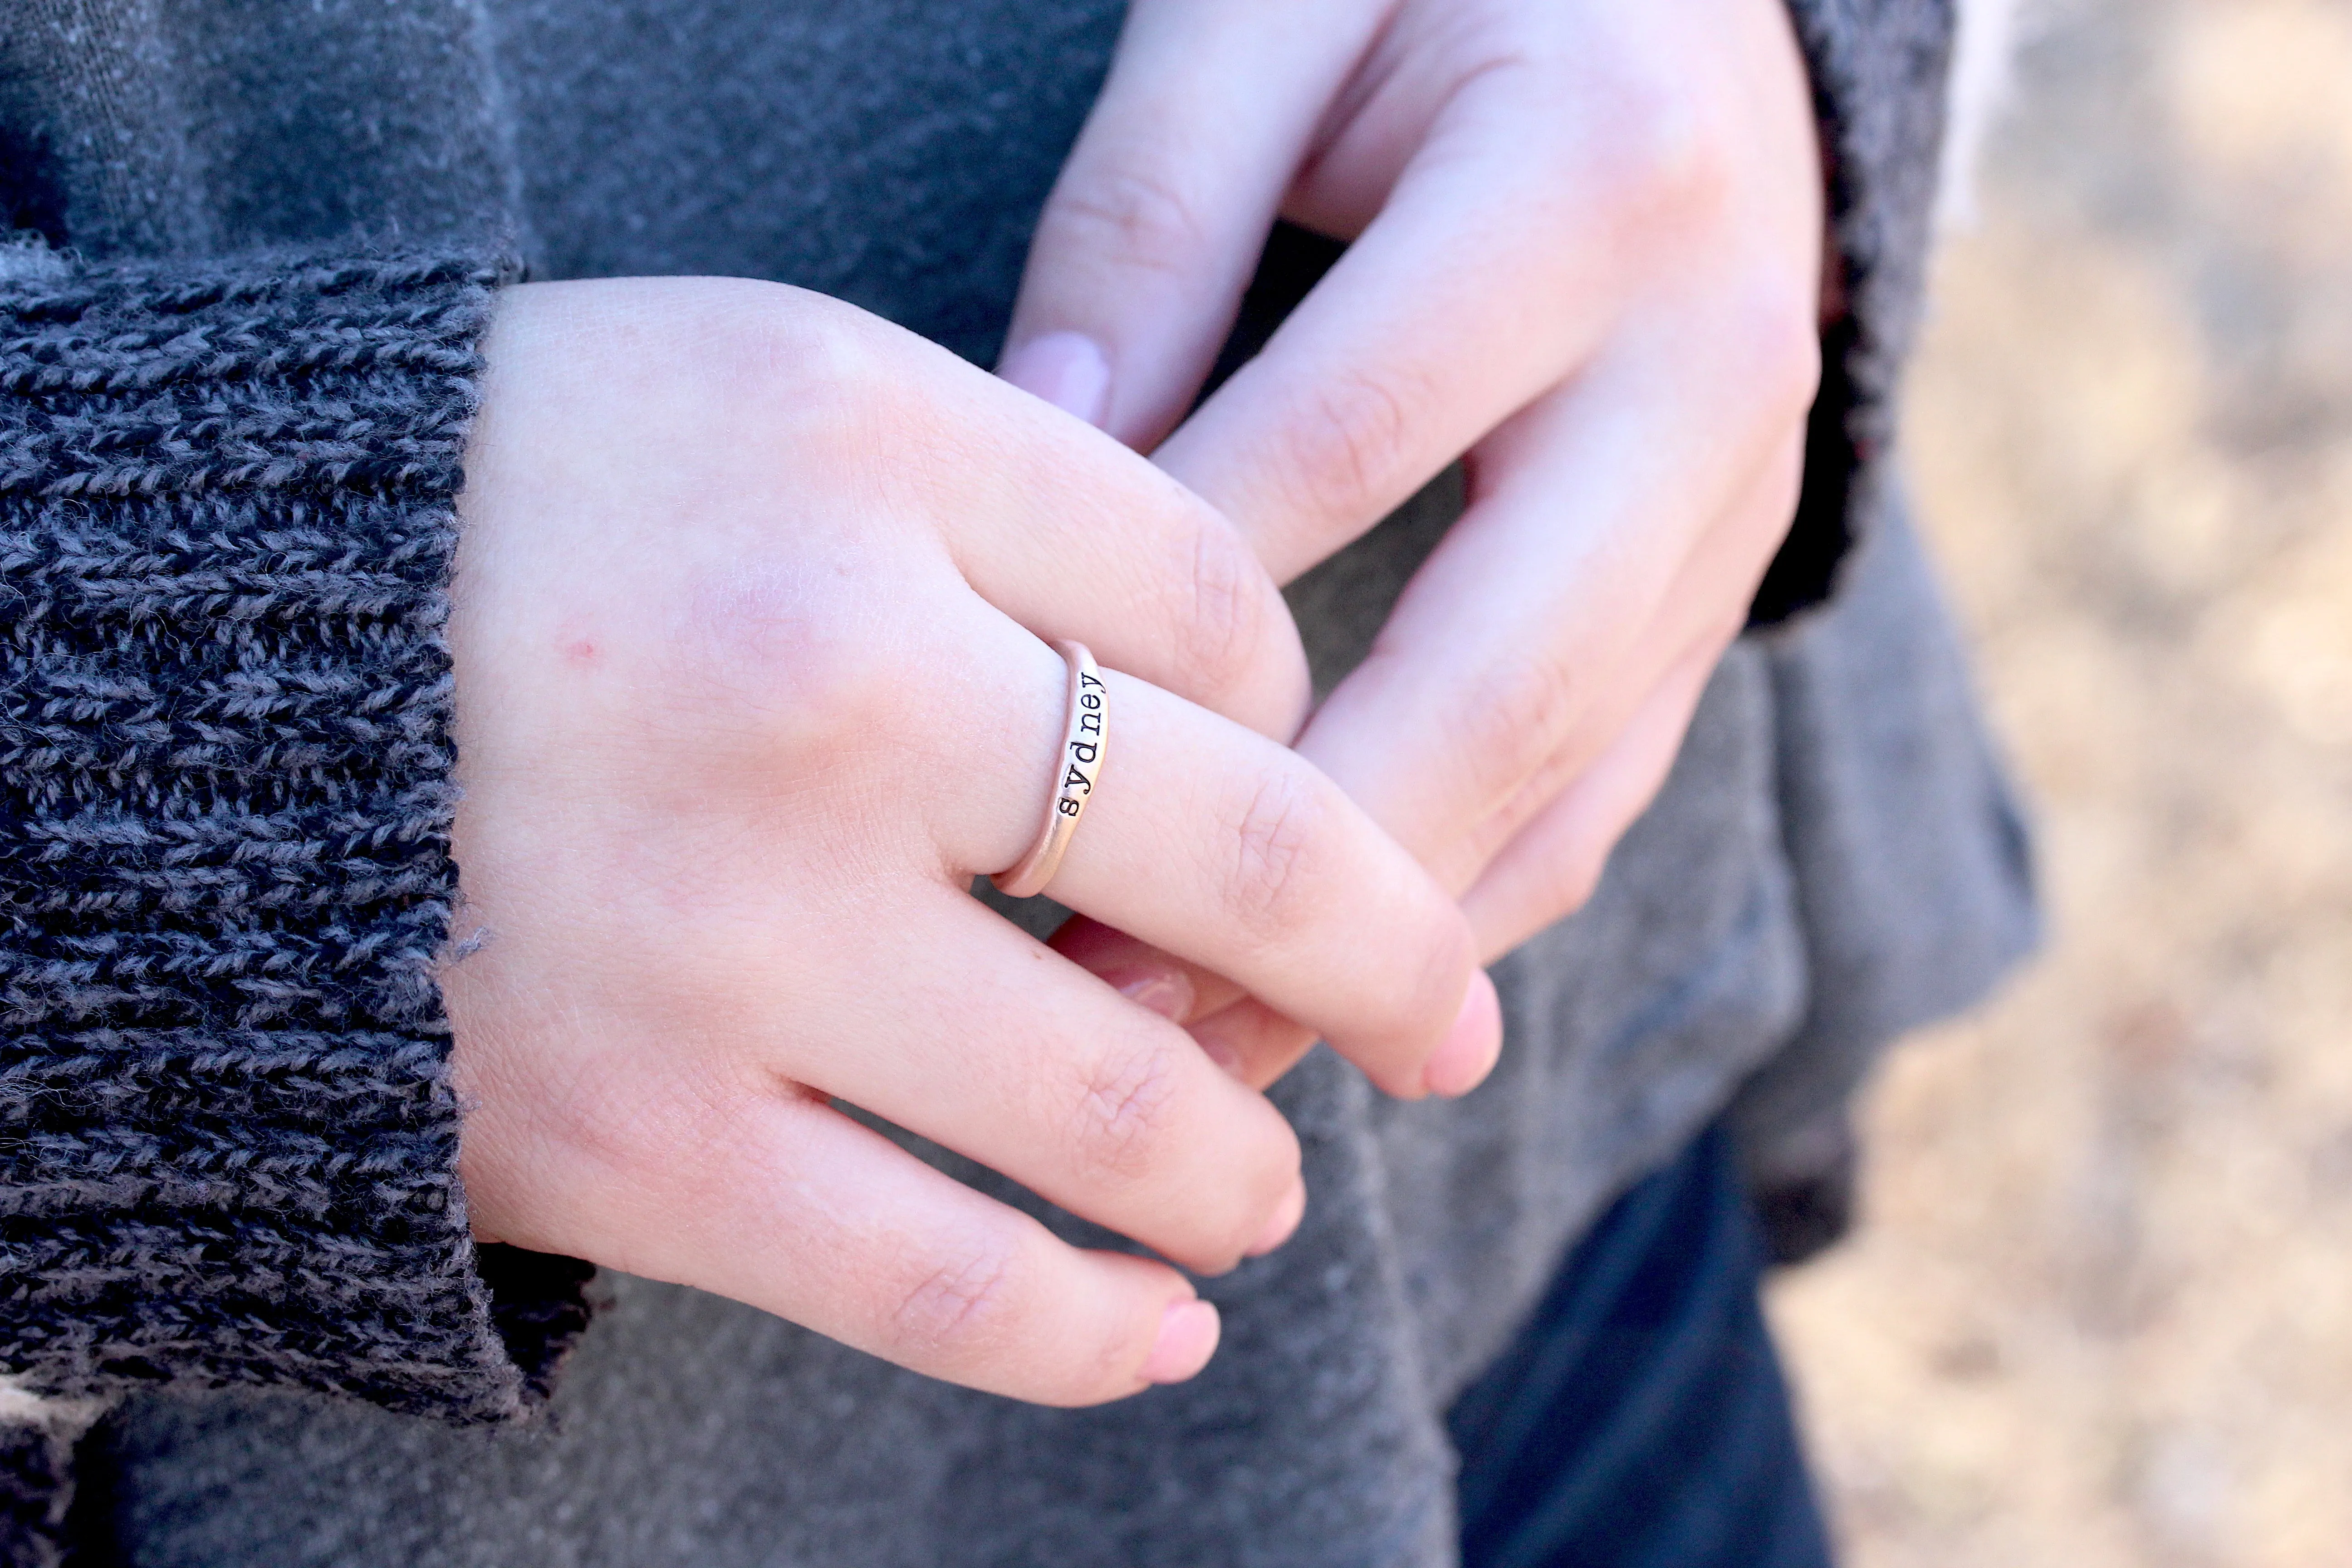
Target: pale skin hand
{"points": [[1588, 254], [746, 631]]}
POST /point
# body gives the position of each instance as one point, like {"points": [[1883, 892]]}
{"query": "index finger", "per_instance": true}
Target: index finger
{"points": [[1074, 536], [1476, 288]]}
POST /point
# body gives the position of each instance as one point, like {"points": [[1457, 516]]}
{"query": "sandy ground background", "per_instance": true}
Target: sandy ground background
{"points": [[2102, 1313]]}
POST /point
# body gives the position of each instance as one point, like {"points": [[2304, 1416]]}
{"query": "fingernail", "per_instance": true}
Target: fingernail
{"points": [[1166, 992], [1188, 1337], [1472, 1044], [1285, 1223], [1067, 370]]}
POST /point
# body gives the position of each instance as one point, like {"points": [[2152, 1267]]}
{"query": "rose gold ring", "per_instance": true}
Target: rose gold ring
{"points": [[1078, 766]]}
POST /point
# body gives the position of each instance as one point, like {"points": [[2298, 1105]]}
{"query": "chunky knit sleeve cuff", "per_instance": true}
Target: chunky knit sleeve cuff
{"points": [[228, 1138], [1879, 70]]}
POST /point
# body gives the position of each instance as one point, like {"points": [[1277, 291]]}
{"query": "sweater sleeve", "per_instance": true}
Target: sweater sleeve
{"points": [[1879, 71], [228, 1136]]}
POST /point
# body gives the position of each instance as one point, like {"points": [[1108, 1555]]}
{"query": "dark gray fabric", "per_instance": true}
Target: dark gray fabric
{"points": [[227, 518], [161, 128], [894, 153], [891, 153]]}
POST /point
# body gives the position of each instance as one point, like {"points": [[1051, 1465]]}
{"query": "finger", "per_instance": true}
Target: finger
{"points": [[1549, 869], [1546, 871], [1043, 1073], [1258, 1045], [1253, 1042], [1404, 355], [1589, 558], [1249, 1040], [772, 1198], [1261, 1044], [1149, 977], [1144, 248], [1229, 850], [1071, 535], [1696, 618], [1689, 622], [1553, 833]]}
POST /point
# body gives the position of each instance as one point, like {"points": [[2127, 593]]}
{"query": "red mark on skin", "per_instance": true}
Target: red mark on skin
{"points": [[580, 651]]}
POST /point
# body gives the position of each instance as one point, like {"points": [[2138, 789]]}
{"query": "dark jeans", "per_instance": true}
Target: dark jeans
{"points": [[1640, 1420]]}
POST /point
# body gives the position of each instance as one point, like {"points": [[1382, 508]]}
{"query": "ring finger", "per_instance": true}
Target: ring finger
{"points": [[1221, 846]]}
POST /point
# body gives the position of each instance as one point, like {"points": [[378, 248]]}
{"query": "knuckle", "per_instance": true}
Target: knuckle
{"points": [[1133, 213], [798, 369], [1125, 1102], [957, 1306], [664, 1135], [761, 346], [1271, 889], [1223, 614], [768, 658], [1343, 451], [1665, 154], [1510, 720]]}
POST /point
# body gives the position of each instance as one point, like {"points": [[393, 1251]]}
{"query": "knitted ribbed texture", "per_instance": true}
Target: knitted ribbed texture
{"points": [[228, 1140]]}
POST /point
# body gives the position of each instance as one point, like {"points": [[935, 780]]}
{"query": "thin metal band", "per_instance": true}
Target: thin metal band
{"points": [[1078, 765]]}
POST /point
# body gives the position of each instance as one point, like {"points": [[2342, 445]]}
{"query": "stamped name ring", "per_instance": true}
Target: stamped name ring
{"points": [[1077, 766]]}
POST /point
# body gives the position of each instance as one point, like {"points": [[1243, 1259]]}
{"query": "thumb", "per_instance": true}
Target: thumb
{"points": [[1153, 229]]}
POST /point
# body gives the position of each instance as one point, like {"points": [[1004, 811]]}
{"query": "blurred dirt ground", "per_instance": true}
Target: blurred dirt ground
{"points": [[2102, 1309]]}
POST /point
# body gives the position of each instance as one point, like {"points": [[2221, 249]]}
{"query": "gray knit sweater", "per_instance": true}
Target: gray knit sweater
{"points": [[237, 361]]}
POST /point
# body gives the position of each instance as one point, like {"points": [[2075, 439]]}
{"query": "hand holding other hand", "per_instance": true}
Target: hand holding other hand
{"points": [[1587, 253], [750, 682]]}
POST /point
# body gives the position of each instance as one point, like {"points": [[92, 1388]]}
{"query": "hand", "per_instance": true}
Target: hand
{"points": [[750, 685], [1587, 251]]}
